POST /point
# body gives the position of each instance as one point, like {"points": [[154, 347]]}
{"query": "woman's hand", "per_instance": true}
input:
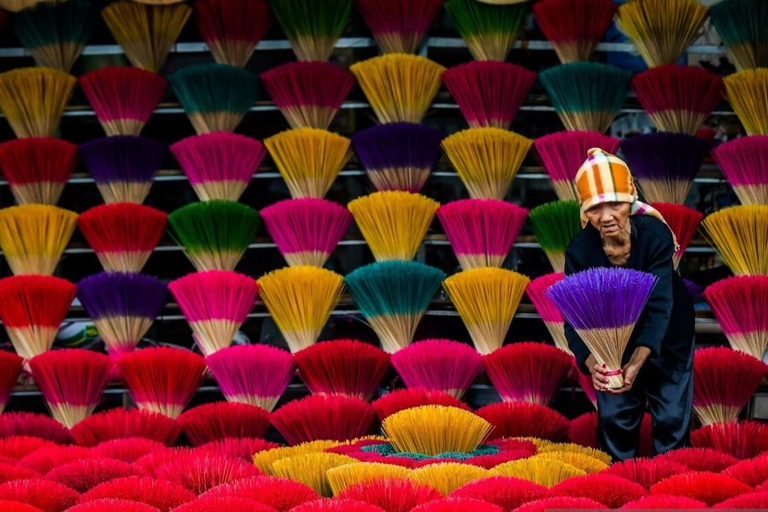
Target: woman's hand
{"points": [[629, 372]]}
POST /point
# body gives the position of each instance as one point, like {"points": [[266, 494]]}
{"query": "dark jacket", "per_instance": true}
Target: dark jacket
{"points": [[667, 323]]}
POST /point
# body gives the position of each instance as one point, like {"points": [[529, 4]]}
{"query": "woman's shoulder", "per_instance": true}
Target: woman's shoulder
{"points": [[652, 230]]}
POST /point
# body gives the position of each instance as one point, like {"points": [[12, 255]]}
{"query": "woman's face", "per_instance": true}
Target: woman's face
{"points": [[610, 219]]}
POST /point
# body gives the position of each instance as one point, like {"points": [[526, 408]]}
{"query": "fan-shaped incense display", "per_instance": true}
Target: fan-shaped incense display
{"points": [[438, 365], [744, 162], [446, 477], [123, 97], [162, 379], [308, 94], [574, 27], [489, 30], [219, 165], [393, 223], [72, 381], [489, 93], [312, 26], [307, 230], [486, 299], [123, 235], [555, 224], [310, 469], [661, 29], [678, 98], [123, 167], [252, 374], [214, 234], [665, 164], [33, 237], [487, 159], [161, 493], [326, 417], [726, 379], [434, 429], [399, 87], [119, 423], [37, 168], [10, 369], [738, 305], [216, 421], [215, 303], [146, 32], [740, 235], [481, 231], [33, 309], [527, 371], [550, 315], [543, 471], [232, 28], [587, 96], [122, 306], [300, 300], [683, 222], [215, 97], [309, 159], [342, 367], [343, 477], [391, 493], [742, 25], [399, 26], [746, 92], [55, 33], [393, 296], [602, 305], [562, 154], [33, 100], [398, 156]]}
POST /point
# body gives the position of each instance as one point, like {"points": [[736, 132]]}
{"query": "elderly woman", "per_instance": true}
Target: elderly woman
{"points": [[620, 231]]}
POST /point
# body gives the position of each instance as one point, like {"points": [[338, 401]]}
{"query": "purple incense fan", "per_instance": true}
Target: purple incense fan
{"points": [[398, 156], [122, 306], [603, 305], [665, 164], [124, 166]]}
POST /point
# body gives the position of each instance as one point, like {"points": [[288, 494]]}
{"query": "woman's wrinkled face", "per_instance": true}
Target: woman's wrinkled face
{"points": [[610, 219]]}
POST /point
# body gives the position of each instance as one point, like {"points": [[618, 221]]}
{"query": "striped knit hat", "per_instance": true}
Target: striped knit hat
{"points": [[605, 178]]}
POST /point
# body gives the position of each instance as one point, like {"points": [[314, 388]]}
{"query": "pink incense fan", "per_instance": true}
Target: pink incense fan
{"points": [[744, 163]]}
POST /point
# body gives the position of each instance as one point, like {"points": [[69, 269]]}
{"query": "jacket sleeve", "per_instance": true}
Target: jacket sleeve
{"points": [[658, 309], [575, 343]]}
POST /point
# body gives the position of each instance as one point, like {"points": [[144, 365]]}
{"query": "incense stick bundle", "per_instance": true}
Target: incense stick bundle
{"points": [[308, 94], [399, 87], [393, 223], [393, 296], [306, 231], [587, 96], [740, 235], [661, 29], [438, 365], [683, 222], [123, 97], [146, 32], [33, 100], [486, 299], [300, 301], [232, 28], [481, 231], [309, 159], [741, 25], [744, 162], [574, 27], [550, 315], [665, 164], [215, 97], [398, 156], [487, 159], [312, 26], [489, 93], [37, 168], [562, 154], [400, 26], [219, 165], [123, 167], [489, 30], [33, 237], [746, 92], [555, 224], [603, 306], [55, 33]]}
